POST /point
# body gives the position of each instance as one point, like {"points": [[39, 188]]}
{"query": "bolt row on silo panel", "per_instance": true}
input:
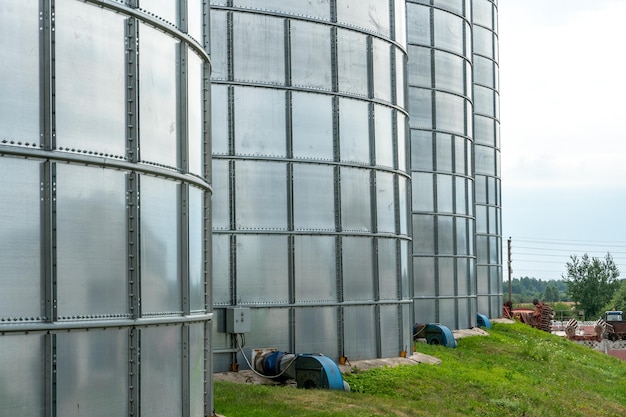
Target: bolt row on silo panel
{"points": [[309, 209], [104, 161], [440, 104], [487, 157]]}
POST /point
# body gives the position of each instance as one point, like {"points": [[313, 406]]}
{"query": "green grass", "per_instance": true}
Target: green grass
{"points": [[515, 371]]}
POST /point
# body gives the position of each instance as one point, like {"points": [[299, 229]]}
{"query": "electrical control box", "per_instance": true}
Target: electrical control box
{"points": [[237, 320]]}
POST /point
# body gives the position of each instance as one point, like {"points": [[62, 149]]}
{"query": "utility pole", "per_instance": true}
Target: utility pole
{"points": [[509, 262]]}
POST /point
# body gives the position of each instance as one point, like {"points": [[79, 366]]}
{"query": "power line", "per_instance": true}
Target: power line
{"points": [[569, 241]]}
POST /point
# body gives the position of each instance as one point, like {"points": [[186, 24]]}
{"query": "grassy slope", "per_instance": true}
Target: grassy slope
{"points": [[516, 371]]}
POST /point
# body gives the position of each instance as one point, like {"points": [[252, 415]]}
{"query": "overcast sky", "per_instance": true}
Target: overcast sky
{"points": [[563, 131]]}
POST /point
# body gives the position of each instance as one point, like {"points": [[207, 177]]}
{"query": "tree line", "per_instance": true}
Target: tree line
{"points": [[525, 289]]}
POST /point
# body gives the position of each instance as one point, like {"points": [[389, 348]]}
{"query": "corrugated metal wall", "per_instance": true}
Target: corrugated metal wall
{"points": [[104, 163], [309, 146]]}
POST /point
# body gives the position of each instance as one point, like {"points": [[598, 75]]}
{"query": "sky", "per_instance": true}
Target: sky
{"points": [[563, 133]]}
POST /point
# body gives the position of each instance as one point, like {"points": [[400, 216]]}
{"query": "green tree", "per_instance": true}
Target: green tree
{"points": [[591, 282], [551, 293], [618, 301]]}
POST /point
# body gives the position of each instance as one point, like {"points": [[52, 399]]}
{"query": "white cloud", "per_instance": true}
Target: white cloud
{"points": [[562, 93]]}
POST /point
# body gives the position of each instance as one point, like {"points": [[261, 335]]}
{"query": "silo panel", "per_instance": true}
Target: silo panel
{"points": [[452, 5], [161, 371], [195, 113], [195, 19], [261, 195], [443, 144], [463, 313], [385, 203], [401, 124], [196, 251], [372, 15], [400, 80], [219, 121], [312, 126], [90, 78], [354, 131], [315, 269], [449, 74], [445, 238], [316, 331], [310, 56], [481, 189], [446, 276], [314, 205], [485, 160], [260, 130], [462, 236], [220, 207], [495, 276], [19, 45], [317, 8], [461, 195], [219, 338], [221, 269], [352, 62], [424, 276], [383, 129], [482, 249], [275, 333], [447, 313], [359, 332], [258, 48], [448, 31], [496, 301], [445, 196], [219, 46], [420, 108], [450, 113], [399, 7], [20, 245], [462, 147], [160, 264], [492, 225], [262, 269], [484, 303], [158, 105], [425, 311], [418, 22], [484, 73], [403, 205], [390, 331], [423, 233], [404, 269], [22, 388], [356, 213], [196, 369], [357, 265], [463, 277], [493, 186], [481, 219], [482, 276], [422, 191], [484, 101], [421, 150], [483, 42], [92, 373], [91, 241], [382, 69], [387, 269]]}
